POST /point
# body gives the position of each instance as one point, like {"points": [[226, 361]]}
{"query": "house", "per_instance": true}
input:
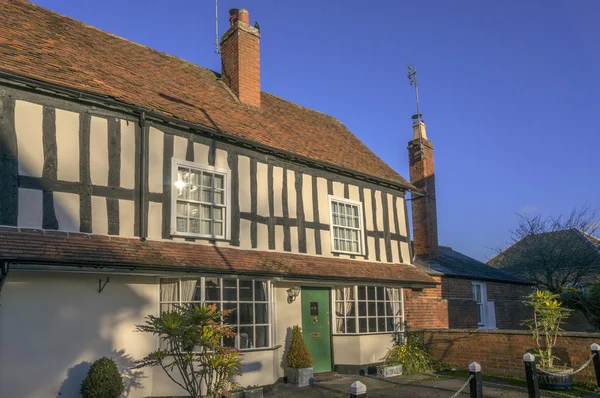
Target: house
{"points": [[470, 294], [554, 261], [132, 180]]}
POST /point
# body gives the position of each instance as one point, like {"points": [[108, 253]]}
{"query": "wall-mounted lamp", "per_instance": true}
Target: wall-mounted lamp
{"points": [[293, 292]]}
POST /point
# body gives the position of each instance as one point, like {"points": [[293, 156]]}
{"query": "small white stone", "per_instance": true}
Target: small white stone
{"points": [[474, 367], [595, 347], [358, 388], [529, 357]]}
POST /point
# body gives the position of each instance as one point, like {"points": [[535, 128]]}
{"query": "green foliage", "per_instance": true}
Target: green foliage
{"points": [[548, 314], [192, 338], [298, 355], [411, 354], [103, 380], [588, 302]]}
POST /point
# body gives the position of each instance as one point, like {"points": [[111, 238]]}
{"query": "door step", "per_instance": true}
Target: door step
{"points": [[327, 376]]}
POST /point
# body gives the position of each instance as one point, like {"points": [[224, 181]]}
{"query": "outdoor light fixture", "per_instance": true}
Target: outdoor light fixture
{"points": [[293, 292]]}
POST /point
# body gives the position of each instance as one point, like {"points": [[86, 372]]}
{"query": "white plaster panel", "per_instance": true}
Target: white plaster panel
{"points": [[126, 218], [338, 189], [68, 321], [401, 216], [30, 208], [245, 241], [279, 238], [99, 151], [405, 253], [66, 208], [326, 243], [262, 236], [277, 191], [382, 254], [67, 145], [378, 204], [286, 314], [128, 154], [99, 216], [244, 184], [373, 347], [221, 159], [368, 208], [390, 210], [371, 246], [259, 368], [262, 189], [395, 252], [323, 200], [155, 161], [310, 241], [291, 189], [154, 220], [346, 349], [201, 153], [294, 239], [179, 147], [354, 192], [307, 201], [28, 126]]}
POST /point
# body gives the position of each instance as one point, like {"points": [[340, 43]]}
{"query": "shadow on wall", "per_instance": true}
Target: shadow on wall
{"points": [[288, 337]]}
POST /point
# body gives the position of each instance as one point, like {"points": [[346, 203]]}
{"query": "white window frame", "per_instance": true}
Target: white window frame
{"points": [[361, 229], [270, 305], [483, 303], [175, 163], [399, 327]]}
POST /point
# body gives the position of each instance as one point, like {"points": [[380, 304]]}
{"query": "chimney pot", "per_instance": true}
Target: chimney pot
{"points": [[233, 16], [244, 16]]}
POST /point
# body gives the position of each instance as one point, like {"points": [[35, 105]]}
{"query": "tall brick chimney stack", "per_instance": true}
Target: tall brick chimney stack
{"points": [[422, 176], [240, 58]]}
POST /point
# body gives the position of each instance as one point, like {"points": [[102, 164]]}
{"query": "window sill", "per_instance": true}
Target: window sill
{"points": [[348, 253], [204, 237], [365, 334], [276, 347]]}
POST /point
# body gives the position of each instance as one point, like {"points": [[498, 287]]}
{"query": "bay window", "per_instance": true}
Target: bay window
{"points": [[368, 309]]}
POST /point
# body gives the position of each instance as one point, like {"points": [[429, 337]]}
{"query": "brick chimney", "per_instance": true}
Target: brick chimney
{"points": [[240, 58], [422, 176]]}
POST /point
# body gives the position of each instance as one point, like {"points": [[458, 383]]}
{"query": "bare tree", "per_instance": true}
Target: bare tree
{"points": [[553, 251]]}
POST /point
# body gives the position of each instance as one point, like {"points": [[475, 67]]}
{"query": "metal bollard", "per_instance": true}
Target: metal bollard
{"points": [[476, 385], [533, 388], [358, 390], [596, 350]]}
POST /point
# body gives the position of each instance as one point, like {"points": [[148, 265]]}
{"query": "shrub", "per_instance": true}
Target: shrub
{"points": [[298, 355], [103, 380], [588, 302], [410, 354]]}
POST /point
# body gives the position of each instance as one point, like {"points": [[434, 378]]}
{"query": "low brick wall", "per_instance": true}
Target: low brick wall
{"points": [[500, 352]]}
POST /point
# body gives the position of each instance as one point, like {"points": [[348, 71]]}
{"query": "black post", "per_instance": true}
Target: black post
{"points": [[533, 388], [596, 350], [476, 385]]}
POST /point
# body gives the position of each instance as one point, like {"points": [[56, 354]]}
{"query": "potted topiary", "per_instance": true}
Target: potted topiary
{"points": [[299, 362], [548, 314], [103, 380]]}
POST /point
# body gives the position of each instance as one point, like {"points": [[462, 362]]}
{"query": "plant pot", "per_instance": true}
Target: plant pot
{"points": [[556, 380], [253, 393], [302, 377], [389, 370]]}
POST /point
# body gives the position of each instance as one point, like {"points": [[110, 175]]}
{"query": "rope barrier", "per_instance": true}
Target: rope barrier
{"points": [[573, 371], [463, 387]]}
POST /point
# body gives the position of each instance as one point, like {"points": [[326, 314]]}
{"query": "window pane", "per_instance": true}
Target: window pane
{"points": [[206, 196], [182, 209], [343, 245], [336, 244], [390, 324], [380, 308], [230, 342], [217, 214], [260, 291], [262, 336], [350, 325], [355, 247], [362, 293], [219, 197], [362, 308], [335, 219], [190, 290], [218, 229], [371, 292], [340, 325], [381, 324], [246, 337], [212, 290], [167, 308], [245, 290], [229, 290], [380, 294], [205, 227], [232, 318], [339, 293], [169, 289], [372, 324], [246, 317], [194, 210], [371, 308], [350, 308], [262, 314], [362, 325], [194, 193], [334, 207], [205, 212], [181, 224], [194, 226], [218, 181], [207, 180]]}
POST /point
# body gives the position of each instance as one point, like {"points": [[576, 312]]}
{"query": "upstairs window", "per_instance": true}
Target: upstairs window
{"points": [[479, 295], [346, 226], [199, 201]]}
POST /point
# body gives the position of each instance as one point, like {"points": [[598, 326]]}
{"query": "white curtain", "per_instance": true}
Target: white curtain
{"points": [[393, 296], [188, 289], [168, 290]]}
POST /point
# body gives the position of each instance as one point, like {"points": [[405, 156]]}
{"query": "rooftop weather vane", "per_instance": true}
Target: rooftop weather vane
{"points": [[217, 46], [412, 78]]}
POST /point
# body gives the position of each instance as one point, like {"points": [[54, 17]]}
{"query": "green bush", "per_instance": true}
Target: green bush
{"points": [[298, 355], [588, 302], [103, 380], [411, 355]]}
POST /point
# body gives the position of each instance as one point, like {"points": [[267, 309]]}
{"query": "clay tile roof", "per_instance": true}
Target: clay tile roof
{"points": [[40, 44], [75, 249]]}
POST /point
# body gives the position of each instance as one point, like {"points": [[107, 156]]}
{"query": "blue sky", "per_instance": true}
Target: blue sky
{"points": [[510, 90]]}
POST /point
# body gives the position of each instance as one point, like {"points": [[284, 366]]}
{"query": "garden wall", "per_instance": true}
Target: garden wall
{"points": [[500, 352]]}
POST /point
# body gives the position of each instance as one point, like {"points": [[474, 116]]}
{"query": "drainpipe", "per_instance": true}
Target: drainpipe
{"points": [[4, 267], [143, 161]]}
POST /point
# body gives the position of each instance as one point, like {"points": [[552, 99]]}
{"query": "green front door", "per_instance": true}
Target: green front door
{"points": [[316, 326]]}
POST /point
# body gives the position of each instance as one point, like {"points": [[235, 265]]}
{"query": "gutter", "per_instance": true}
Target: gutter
{"points": [[116, 105]]}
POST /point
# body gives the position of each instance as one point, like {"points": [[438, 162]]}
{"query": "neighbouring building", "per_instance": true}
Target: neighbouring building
{"points": [[132, 180], [470, 293]]}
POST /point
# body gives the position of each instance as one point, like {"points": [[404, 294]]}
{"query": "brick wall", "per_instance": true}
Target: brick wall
{"points": [[426, 308], [501, 352]]}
